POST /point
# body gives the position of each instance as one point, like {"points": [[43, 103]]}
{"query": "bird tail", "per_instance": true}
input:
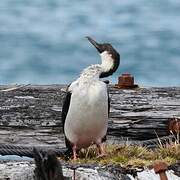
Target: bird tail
{"points": [[69, 152]]}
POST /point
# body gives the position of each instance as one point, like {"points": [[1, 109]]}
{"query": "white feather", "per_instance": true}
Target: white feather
{"points": [[107, 61], [87, 118]]}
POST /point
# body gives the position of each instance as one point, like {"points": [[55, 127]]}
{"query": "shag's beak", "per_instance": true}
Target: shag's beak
{"points": [[95, 44]]}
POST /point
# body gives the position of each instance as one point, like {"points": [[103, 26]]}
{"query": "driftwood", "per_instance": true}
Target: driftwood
{"points": [[31, 115]]}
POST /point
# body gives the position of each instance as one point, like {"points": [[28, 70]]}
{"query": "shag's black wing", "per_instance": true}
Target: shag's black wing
{"points": [[65, 109], [109, 100], [107, 82]]}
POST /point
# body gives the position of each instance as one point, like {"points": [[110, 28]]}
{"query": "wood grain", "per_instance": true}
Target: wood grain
{"points": [[32, 114]]}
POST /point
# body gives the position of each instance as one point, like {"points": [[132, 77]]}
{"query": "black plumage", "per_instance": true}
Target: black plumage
{"points": [[65, 109]]}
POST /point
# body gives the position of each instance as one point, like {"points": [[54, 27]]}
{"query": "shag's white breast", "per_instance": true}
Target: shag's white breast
{"points": [[87, 118]]}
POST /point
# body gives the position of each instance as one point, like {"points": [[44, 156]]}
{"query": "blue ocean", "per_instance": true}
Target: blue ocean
{"points": [[43, 41]]}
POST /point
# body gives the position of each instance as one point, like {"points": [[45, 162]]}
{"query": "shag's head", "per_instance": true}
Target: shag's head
{"points": [[110, 57]]}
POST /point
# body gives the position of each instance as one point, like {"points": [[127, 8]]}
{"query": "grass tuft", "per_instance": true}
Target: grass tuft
{"points": [[133, 156]]}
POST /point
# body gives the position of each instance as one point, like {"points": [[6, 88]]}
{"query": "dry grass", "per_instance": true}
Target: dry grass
{"points": [[134, 156]]}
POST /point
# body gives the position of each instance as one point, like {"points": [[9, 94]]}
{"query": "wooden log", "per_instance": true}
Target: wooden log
{"points": [[32, 114]]}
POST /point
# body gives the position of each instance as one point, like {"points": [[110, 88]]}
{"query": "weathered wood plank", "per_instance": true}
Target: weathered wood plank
{"points": [[32, 114], [142, 112]]}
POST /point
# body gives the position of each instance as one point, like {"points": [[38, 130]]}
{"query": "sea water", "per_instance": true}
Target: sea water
{"points": [[43, 41]]}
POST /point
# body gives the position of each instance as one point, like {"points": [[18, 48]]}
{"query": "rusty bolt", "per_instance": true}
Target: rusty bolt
{"points": [[160, 168], [174, 125], [126, 81]]}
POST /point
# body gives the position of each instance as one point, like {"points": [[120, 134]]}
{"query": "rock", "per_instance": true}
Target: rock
{"points": [[24, 170], [17, 170]]}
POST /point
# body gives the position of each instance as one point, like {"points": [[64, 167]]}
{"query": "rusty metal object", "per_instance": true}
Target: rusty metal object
{"points": [[126, 81], [174, 125], [160, 168]]}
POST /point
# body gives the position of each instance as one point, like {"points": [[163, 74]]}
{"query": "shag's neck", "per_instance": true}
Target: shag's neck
{"points": [[91, 73], [94, 72], [107, 64]]}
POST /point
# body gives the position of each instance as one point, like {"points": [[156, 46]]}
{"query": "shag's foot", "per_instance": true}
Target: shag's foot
{"points": [[74, 153], [101, 150]]}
